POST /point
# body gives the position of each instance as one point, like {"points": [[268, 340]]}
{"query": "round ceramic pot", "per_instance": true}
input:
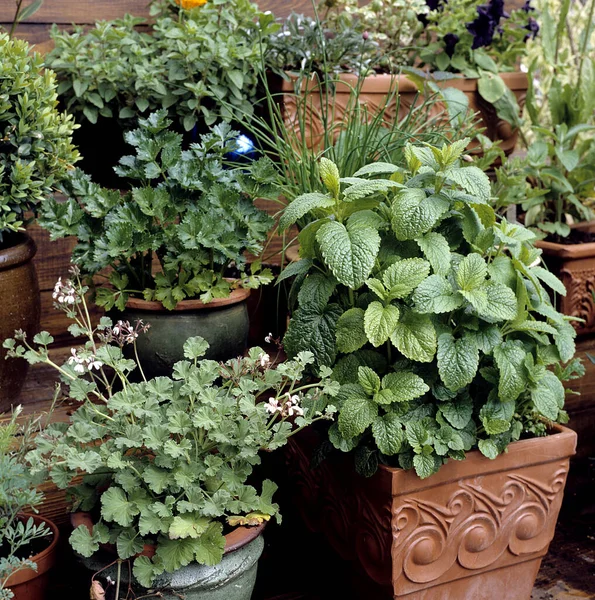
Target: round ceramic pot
{"points": [[496, 129], [223, 323], [19, 309], [313, 110], [28, 584], [232, 579]]}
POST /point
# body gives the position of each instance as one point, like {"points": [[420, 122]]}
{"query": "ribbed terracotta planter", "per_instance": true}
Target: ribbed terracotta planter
{"points": [[19, 309], [232, 579], [223, 323], [496, 129], [28, 584], [574, 264], [476, 530], [316, 105]]}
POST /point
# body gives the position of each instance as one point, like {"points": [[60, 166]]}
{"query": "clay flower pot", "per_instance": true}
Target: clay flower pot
{"points": [[473, 529], [393, 94], [28, 584], [232, 579], [19, 309], [574, 264], [223, 323], [495, 128]]}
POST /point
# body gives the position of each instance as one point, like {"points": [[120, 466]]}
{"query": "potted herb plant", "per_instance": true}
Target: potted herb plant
{"points": [[197, 64], [36, 152], [170, 464], [434, 317], [553, 184], [171, 241], [28, 542]]}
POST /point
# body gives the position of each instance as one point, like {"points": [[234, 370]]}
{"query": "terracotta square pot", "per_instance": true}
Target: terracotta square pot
{"points": [[474, 529], [574, 264]]}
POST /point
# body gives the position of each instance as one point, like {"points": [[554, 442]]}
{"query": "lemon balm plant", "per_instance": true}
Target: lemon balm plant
{"points": [[167, 463], [431, 311]]}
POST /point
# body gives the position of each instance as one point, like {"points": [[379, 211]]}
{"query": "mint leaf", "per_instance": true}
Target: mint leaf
{"points": [[548, 396], [510, 358], [316, 290], [458, 411], [302, 205], [357, 414], [436, 250], [405, 386], [380, 322], [415, 337], [349, 254], [369, 380], [549, 279], [313, 330], [501, 303], [457, 361], [388, 433], [413, 213], [472, 272], [486, 338], [425, 465], [351, 335], [330, 176], [488, 448], [376, 286], [402, 277], [436, 295], [564, 339], [473, 180], [496, 416]]}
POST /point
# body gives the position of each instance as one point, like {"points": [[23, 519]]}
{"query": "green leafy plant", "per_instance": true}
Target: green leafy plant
{"points": [[36, 148], [431, 311], [17, 492], [170, 461], [188, 63], [187, 212]]}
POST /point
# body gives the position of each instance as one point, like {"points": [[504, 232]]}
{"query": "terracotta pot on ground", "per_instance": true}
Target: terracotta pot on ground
{"points": [[474, 529], [223, 323], [19, 309], [31, 585], [232, 579], [574, 264], [393, 94], [495, 128]]}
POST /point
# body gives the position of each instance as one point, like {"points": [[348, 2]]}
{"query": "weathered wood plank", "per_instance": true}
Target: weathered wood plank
{"points": [[76, 11]]}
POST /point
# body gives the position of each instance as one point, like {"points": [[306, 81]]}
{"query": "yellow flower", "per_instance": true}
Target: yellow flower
{"points": [[188, 4]]}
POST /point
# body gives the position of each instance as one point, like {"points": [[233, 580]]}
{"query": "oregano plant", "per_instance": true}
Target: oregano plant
{"points": [[434, 314]]}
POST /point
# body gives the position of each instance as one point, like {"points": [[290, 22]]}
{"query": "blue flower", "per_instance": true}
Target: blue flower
{"points": [[486, 23], [450, 41], [527, 6], [533, 28]]}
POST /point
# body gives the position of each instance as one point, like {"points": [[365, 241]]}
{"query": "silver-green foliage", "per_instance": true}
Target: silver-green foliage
{"points": [[431, 311], [36, 148]]}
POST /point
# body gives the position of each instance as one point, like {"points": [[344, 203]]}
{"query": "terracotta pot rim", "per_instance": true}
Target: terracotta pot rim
{"points": [[580, 250], [477, 462], [237, 295], [20, 253], [28, 574], [237, 538], [514, 80], [379, 83]]}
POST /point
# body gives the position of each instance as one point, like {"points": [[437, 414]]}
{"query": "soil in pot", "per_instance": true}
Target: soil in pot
{"points": [[19, 309], [223, 323], [27, 584]]}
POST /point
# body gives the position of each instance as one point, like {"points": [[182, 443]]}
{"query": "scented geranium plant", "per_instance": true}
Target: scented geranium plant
{"points": [[36, 150], [185, 210], [431, 311], [166, 462]]}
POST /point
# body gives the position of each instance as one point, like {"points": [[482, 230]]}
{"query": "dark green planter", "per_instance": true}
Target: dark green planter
{"points": [[223, 323]]}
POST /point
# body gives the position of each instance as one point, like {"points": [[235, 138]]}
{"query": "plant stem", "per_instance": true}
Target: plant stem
{"points": [[16, 18]]}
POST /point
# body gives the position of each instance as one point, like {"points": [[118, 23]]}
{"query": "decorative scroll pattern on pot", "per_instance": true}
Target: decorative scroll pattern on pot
{"points": [[579, 302], [477, 528]]}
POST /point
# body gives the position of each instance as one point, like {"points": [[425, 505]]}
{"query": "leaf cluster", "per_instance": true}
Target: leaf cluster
{"points": [[170, 462], [197, 64], [36, 148], [176, 233], [431, 311]]}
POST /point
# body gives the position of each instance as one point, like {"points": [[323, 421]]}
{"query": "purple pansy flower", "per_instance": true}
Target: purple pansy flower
{"points": [[533, 28], [450, 41], [486, 23]]}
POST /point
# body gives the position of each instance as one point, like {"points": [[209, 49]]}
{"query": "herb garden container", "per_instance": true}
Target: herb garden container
{"points": [[496, 129], [232, 579], [316, 108], [27, 584], [19, 309], [574, 264], [475, 527], [223, 323]]}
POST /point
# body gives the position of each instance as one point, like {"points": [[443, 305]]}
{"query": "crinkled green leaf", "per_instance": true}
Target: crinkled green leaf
{"points": [[415, 337], [436, 250], [351, 335], [402, 277], [380, 322], [510, 357], [388, 434], [458, 360], [436, 295]]}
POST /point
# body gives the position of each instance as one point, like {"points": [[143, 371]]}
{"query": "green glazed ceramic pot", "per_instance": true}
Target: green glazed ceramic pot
{"points": [[19, 309], [223, 323]]}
